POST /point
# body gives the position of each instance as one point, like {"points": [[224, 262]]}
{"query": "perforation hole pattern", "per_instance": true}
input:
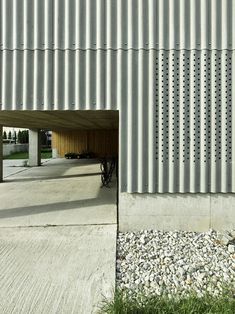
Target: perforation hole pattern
{"points": [[194, 106]]}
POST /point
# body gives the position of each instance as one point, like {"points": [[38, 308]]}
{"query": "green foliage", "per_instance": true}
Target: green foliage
{"points": [[5, 135], [23, 137], [9, 135], [43, 137], [122, 304], [45, 154]]}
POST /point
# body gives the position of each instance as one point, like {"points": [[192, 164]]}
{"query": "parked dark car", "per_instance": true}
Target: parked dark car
{"points": [[82, 155]]}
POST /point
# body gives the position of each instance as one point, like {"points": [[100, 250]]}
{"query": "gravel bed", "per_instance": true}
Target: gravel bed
{"points": [[170, 263]]}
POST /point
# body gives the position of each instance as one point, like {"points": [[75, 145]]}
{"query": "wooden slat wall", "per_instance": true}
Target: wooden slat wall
{"points": [[101, 142]]}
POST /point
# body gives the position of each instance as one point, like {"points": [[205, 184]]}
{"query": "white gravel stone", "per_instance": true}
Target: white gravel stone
{"points": [[231, 248], [159, 262]]}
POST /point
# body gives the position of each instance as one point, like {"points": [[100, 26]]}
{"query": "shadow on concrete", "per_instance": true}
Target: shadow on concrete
{"points": [[42, 178], [45, 208]]}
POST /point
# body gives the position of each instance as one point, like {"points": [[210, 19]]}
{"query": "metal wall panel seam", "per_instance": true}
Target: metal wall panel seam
{"points": [[170, 122], [224, 24], [140, 103], [171, 101], [108, 79], [55, 81], [67, 95], [233, 124], [223, 133], [152, 123], [49, 23], [68, 34], [160, 126], [4, 79], [99, 74], [88, 99], [192, 116], [213, 177], [152, 69], [182, 121], [48, 83], [218, 121], [123, 143], [77, 80], [203, 122], [140, 121], [25, 80], [130, 143], [204, 17], [14, 81], [56, 30]]}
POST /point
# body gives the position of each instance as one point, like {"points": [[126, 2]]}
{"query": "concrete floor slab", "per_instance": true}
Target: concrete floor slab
{"points": [[67, 268], [60, 192], [13, 166], [56, 269]]}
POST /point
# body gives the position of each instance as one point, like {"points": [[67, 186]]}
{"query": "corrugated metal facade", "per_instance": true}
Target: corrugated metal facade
{"points": [[117, 24], [167, 65]]}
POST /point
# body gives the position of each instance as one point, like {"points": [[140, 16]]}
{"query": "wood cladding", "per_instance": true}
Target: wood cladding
{"points": [[100, 142]]}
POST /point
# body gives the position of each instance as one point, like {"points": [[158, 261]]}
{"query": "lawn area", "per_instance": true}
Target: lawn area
{"points": [[164, 305], [46, 153]]}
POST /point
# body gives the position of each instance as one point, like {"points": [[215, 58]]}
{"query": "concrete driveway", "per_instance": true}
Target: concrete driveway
{"points": [[57, 239]]}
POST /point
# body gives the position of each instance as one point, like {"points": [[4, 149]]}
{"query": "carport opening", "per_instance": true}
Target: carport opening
{"points": [[94, 138], [74, 184]]}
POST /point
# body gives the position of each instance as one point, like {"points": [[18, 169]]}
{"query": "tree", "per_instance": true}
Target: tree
{"points": [[25, 135], [5, 135], [14, 137], [9, 135], [43, 137], [19, 136]]}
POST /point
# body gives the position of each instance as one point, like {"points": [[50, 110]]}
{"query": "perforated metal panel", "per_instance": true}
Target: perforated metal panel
{"points": [[189, 111], [185, 106]]}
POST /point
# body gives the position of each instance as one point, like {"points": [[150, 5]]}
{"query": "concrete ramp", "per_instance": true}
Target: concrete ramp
{"points": [[58, 247]]}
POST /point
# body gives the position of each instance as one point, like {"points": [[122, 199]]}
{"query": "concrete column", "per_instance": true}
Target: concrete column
{"points": [[34, 148], [1, 155]]}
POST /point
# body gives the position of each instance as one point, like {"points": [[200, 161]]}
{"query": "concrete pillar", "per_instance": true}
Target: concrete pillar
{"points": [[34, 148], [1, 155]]}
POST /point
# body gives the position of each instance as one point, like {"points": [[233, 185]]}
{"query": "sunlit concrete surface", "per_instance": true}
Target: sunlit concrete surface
{"points": [[56, 269], [60, 192], [58, 232], [13, 166]]}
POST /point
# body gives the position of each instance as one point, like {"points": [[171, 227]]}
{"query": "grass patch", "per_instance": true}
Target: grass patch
{"points": [[19, 155], [45, 154], [192, 304]]}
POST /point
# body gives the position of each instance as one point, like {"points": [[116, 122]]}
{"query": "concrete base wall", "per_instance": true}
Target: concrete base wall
{"points": [[189, 212], [9, 149]]}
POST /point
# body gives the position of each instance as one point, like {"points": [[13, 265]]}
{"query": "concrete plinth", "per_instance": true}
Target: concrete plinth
{"points": [[34, 148], [1, 155], [189, 212]]}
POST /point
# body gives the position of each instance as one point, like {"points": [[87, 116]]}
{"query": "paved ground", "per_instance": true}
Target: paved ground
{"points": [[60, 192], [13, 166], [57, 239]]}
